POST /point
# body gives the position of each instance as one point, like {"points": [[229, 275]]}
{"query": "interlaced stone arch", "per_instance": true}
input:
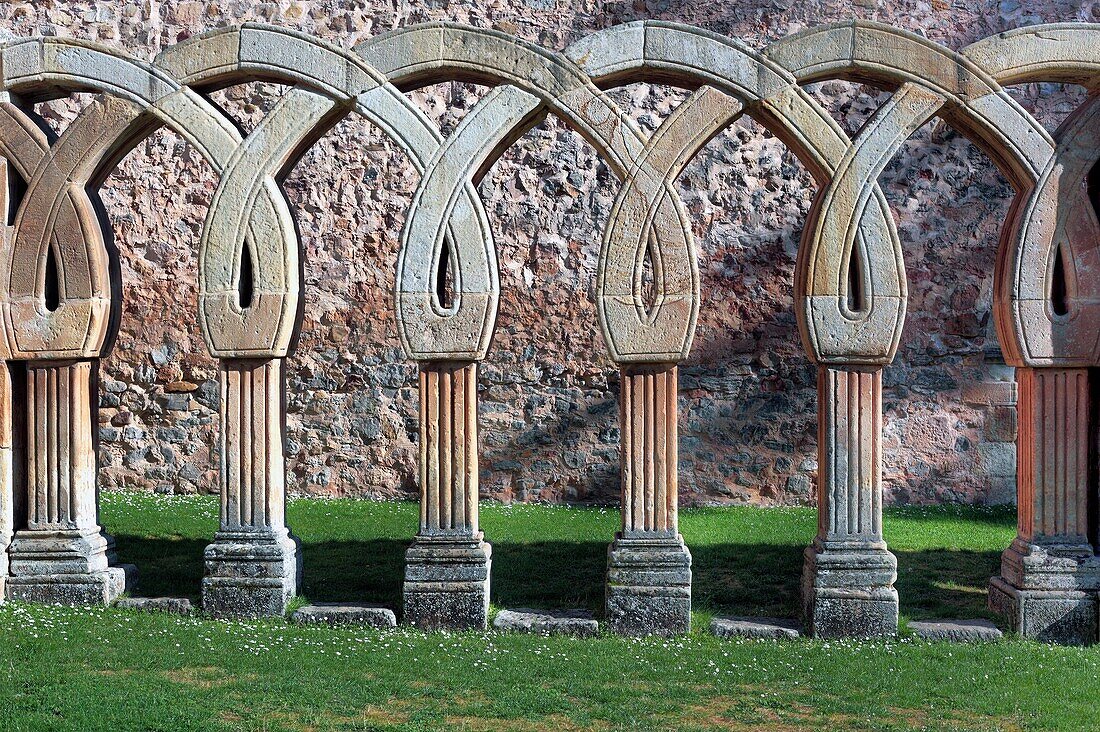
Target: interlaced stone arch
{"points": [[1049, 243]]}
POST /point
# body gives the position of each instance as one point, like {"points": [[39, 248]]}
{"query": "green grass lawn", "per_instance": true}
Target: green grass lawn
{"points": [[105, 669]]}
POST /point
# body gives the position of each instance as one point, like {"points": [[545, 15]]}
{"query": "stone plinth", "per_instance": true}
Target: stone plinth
{"points": [[1050, 574], [848, 575], [447, 584], [339, 613], [577, 623], [756, 628], [648, 565], [956, 631], [61, 555], [447, 567], [253, 568]]}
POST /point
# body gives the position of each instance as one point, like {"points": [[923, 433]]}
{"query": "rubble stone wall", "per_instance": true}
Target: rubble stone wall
{"points": [[548, 391]]}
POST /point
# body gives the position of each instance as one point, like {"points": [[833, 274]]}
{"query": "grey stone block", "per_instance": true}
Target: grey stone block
{"points": [[850, 594], [447, 584], [649, 586], [96, 588], [251, 574], [339, 613], [763, 628], [176, 605], [579, 623], [1067, 617], [956, 631]]}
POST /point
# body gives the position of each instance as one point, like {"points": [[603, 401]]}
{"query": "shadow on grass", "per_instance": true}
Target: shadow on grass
{"points": [[731, 579]]}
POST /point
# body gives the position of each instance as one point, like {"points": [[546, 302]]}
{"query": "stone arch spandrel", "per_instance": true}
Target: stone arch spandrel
{"points": [[835, 234], [254, 51], [1057, 219], [646, 51], [971, 100], [665, 325], [138, 100], [408, 59], [59, 218], [1055, 216]]}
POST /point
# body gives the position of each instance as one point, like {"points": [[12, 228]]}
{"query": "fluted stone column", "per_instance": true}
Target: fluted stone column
{"points": [[447, 566], [1050, 574], [649, 567], [62, 555], [253, 568], [8, 471], [848, 575]]}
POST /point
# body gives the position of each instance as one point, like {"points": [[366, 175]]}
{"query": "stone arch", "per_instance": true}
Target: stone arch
{"points": [[57, 203], [1053, 217], [968, 98], [255, 51]]}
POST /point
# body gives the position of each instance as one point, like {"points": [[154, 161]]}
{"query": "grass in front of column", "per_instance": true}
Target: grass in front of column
{"points": [[105, 669]]}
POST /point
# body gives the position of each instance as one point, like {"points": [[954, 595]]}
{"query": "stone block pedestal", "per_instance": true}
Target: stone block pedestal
{"points": [[251, 573], [649, 586], [1067, 617], [849, 594], [66, 567], [447, 584]]}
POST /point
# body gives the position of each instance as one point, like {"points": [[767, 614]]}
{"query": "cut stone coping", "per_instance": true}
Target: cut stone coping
{"points": [[177, 605], [345, 613], [579, 623], [759, 628], [956, 631]]}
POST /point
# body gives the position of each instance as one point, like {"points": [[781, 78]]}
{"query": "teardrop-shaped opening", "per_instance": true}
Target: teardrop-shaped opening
{"points": [[17, 189], [1092, 186], [648, 280], [445, 277], [51, 289], [246, 283], [1059, 297], [857, 292]]}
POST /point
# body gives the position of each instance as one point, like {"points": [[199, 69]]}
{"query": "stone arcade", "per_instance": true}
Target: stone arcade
{"points": [[61, 294]]}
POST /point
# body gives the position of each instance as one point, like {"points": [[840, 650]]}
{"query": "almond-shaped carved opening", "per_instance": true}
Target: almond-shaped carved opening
{"points": [[857, 287], [445, 277], [17, 189], [1092, 187], [51, 288], [1059, 296], [246, 282], [647, 286]]}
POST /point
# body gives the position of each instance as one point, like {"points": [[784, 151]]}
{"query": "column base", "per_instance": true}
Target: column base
{"points": [[447, 583], [849, 594], [1065, 617], [66, 567], [251, 574], [1048, 593], [648, 586]]}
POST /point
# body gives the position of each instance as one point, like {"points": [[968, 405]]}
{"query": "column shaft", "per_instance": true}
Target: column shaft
{"points": [[1050, 574], [7, 473], [848, 577], [253, 567], [62, 555], [649, 567], [447, 566]]}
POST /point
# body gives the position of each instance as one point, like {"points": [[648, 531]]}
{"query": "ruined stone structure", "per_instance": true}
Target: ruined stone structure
{"points": [[61, 293]]}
